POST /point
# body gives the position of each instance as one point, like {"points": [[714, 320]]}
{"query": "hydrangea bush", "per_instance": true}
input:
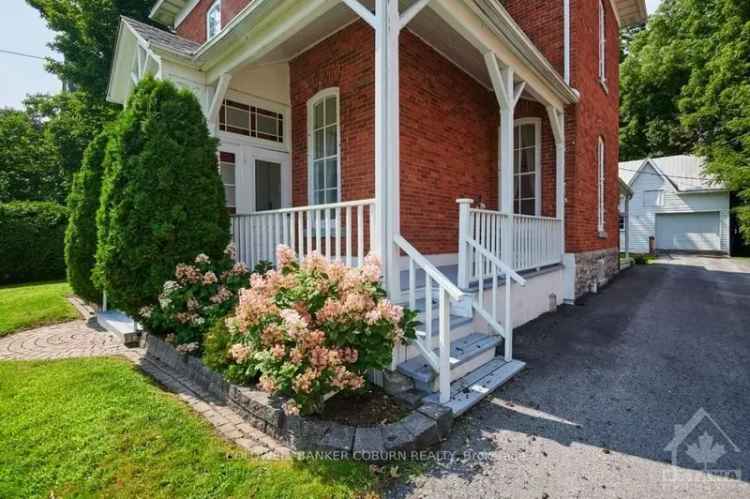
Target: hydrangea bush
{"points": [[314, 327], [200, 294]]}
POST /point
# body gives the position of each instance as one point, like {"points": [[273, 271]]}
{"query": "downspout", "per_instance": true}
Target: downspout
{"points": [[566, 41]]}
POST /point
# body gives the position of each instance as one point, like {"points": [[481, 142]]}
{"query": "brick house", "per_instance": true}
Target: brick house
{"points": [[471, 144]]}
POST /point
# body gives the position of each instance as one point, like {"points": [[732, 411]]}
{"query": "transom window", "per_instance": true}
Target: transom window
{"points": [[213, 20], [227, 162], [526, 166], [323, 131], [251, 121]]}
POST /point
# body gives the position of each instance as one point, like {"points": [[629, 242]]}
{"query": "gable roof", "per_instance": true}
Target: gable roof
{"points": [[684, 172], [159, 38]]}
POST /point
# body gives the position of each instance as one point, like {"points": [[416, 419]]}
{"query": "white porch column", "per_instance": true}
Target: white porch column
{"points": [[557, 123], [392, 29], [507, 94]]}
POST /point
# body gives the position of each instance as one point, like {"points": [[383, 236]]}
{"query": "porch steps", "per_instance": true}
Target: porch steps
{"points": [[467, 354], [466, 392], [120, 325]]}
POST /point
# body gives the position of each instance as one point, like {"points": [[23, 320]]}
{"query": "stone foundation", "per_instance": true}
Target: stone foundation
{"points": [[594, 269]]}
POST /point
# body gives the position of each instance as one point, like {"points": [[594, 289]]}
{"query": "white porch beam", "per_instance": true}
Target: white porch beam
{"points": [[411, 12], [362, 12], [221, 89]]}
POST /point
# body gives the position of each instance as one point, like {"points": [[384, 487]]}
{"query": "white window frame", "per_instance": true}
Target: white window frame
{"points": [[311, 103], [253, 101], [602, 44], [214, 9], [537, 122], [658, 198], [601, 177]]}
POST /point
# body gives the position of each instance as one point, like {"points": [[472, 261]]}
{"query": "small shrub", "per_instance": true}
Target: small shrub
{"points": [[80, 236], [314, 327], [162, 199], [643, 258], [32, 237], [200, 294]]}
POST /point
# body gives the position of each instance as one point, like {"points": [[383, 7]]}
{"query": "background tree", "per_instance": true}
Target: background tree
{"points": [[685, 88], [162, 200], [29, 169], [83, 203], [86, 35]]}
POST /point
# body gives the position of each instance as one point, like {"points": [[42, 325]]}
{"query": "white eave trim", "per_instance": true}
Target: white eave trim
{"points": [[501, 22]]}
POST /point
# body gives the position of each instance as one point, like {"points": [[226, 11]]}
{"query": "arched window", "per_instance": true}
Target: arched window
{"points": [[527, 177], [213, 20], [323, 147]]}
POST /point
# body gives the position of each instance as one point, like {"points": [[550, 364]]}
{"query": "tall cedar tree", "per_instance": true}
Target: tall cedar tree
{"points": [[162, 200], [83, 203]]}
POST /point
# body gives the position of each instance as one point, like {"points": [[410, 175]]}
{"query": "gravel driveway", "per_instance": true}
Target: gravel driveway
{"points": [[607, 382]]}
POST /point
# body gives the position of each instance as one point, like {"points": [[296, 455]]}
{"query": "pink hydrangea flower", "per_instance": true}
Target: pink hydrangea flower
{"points": [[285, 255], [291, 408], [239, 352], [267, 384], [210, 278], [202, 258], [278, 351]]}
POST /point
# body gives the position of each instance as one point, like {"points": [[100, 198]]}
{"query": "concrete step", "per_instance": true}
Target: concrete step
{"points": [[467, 354], [119, 324], [467, 391]]}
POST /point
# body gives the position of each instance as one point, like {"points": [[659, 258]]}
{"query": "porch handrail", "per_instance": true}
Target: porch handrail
{"points": [[495, 266], [335, 230], [446, 290]]}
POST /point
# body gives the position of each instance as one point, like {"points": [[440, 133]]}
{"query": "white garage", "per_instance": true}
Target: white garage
{"points": [[688, 231], [675, 203]]}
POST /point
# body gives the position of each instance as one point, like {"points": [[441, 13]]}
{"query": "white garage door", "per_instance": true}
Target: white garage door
{"points": [[688, 231]]}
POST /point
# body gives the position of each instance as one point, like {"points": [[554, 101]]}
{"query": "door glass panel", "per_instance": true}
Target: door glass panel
{"points": [[227, 170], [267, 185]]}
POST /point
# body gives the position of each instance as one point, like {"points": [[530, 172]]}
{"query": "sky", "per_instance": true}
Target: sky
{"points": [[23, 30]]}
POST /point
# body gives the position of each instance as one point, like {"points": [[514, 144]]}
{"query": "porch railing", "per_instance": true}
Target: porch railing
{"points": [[537, 241], [338, 231], [446, 291]]}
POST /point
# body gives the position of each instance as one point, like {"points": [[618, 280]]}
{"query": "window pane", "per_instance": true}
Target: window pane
{"points": [[528, 207], [330, 110], [528, 160], [318, 175], [528, 135], [516, 161], [527, 186], [227, 173], [238, 118], [318, 145], [229, 195], [266, 124], [318, 115], [332, 173], [331, 141], [331, 195], [320, 197]]}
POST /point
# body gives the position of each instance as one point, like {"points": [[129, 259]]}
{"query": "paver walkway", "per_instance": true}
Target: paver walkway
{"points": [[81, 339]]}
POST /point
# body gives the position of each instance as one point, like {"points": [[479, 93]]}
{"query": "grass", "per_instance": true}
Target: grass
{"points": [[99, 428], [32, 305]]}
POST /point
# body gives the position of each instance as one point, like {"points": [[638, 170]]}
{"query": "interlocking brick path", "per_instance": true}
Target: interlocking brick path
{"points": [[85, 339]]}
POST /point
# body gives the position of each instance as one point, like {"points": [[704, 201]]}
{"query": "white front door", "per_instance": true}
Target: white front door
{"points": [[262, 179]]}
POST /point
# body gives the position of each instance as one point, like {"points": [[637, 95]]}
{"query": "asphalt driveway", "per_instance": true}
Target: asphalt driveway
{"points": [[607, 382]]}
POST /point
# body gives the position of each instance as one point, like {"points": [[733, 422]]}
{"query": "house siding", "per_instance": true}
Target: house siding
{"points": [[643, 218]]}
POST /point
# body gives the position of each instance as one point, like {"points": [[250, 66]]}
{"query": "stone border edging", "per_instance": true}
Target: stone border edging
{"points": [[423, 427]]}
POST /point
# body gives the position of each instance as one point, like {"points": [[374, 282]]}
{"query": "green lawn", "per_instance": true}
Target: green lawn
{"points": [[98, 427], [31, 305]]}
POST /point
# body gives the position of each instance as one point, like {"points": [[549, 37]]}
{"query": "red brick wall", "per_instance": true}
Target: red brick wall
{"points": [[449, 130], [542, 21], [596, 114], [193, 27], [345, 60]]}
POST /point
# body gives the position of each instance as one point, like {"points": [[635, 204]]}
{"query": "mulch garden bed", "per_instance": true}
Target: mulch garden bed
{"points": [[369, 407]]}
